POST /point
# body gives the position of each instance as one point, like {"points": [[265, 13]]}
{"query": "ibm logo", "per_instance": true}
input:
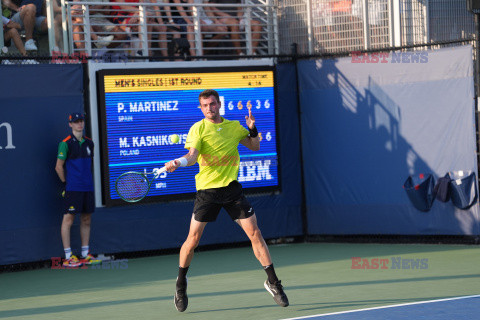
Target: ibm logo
{"points": [[8, 129]]}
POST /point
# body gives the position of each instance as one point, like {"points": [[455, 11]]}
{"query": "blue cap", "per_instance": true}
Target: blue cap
{"points": [[76, 116]]}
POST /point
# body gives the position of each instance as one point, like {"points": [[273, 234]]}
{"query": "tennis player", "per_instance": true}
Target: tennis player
{"points": [[74, 168], [213, 143]]}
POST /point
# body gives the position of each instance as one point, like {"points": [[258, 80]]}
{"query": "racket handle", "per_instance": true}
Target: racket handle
{"points": [[159, 171]]}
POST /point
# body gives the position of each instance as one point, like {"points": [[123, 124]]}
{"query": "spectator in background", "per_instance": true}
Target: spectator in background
{"points": [[159, 26], [57, 22], [231, 24], [122, 14], [226, 14], [10, 32], [208, 22], [74, 168], [128, 17], [29, 16], [167, 21], [181, 21], [99, 24]]}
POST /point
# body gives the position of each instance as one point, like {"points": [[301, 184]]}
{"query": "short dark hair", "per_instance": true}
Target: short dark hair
{"points": [[207, 93]]}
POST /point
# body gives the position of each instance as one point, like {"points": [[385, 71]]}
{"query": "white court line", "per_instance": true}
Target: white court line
{"points": [[385, 307]]}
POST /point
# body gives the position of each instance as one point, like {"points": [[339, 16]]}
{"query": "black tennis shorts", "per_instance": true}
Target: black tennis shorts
{"points": [[208, 203], [79, 202]]}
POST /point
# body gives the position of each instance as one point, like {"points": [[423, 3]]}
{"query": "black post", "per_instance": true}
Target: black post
{"points": [[477, 92], [303, 205], [477, 56]]}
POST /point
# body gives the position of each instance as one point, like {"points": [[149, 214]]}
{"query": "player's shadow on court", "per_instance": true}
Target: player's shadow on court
{"points": [[290, 290], [76, 307], [237, 308], [143, 271], [260, 290]]}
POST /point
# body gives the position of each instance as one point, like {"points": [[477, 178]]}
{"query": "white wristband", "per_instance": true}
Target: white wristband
{"points": [[183, 161]]}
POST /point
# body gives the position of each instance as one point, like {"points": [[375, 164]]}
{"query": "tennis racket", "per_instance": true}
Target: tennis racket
{"points": [[133, 186]]}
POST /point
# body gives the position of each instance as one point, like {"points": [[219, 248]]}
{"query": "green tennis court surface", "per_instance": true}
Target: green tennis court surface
{"points": [[228, 284]]}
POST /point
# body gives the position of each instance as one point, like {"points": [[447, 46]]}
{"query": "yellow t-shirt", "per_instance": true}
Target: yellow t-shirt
{"points": [[218, 158]]}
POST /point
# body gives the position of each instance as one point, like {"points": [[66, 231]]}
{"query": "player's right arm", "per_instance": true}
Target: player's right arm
{"points": [[61, 158], [191, 159], [194, 146], [59, 168]]}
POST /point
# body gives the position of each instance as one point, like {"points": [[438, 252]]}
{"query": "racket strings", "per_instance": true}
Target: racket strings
{"points": [[132, 186]]}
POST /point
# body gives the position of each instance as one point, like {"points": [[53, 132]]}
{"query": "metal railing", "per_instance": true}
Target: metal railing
{"points": [[319, 26], [149, 30], [335, 25], [316, 26]]}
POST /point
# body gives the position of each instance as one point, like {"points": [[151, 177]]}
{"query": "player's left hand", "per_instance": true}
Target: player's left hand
{"points": [[250, 119]]}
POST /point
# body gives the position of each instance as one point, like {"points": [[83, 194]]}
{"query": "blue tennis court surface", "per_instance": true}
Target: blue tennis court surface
{"points": [[458, 308]]}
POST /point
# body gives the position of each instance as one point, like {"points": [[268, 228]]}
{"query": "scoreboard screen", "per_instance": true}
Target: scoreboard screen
{"points": [[139, 109]]}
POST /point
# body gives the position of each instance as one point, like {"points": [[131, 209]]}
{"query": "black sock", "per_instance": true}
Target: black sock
{"points": [[182, 277], [272, 277]]}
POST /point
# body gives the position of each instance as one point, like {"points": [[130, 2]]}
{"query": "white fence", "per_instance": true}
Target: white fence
{"points": [[319, 26], [146, 29], [270, 26]]}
